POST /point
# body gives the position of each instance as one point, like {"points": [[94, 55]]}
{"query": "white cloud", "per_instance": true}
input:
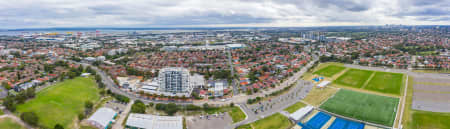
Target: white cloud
{"points": [[158, 13]]}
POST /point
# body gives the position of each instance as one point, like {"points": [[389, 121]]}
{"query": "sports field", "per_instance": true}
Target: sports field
{"points": [[8, 123], [236, 114], [367, 107], [353, 78], [385, 82], [430, 120], [275, 121], [330, 70], [61, 103], [295, 107]]}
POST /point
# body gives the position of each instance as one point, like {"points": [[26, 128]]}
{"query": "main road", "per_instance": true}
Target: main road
{"points": [[109, 83]]}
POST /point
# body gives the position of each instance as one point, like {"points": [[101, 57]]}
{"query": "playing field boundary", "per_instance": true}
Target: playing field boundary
{"points": [[399, 124], [329, 97], [352, 119]]}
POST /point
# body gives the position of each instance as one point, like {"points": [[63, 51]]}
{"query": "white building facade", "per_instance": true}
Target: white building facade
{"points": [[174, 81]]}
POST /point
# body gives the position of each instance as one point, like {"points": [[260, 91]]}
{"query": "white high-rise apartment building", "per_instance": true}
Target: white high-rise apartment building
{"points": [[174, 81]]}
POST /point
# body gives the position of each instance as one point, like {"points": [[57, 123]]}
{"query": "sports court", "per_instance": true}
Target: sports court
{"points": [[340, 123], [319, 121]]}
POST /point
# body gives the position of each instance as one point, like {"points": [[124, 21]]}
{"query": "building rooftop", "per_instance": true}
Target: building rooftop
{"points": [[103, 116], [154, 122]]}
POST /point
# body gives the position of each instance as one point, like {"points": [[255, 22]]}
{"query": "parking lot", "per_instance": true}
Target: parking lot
{"points": [[295, 94], [215, 121], [115, 105]]}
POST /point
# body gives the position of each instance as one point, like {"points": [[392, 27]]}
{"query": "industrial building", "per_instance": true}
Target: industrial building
{"points": [[145, 121]]}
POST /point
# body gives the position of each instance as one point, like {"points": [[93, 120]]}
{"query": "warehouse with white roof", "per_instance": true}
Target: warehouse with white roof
{"points": [[299, 114], [102, 118], [146, 121]]}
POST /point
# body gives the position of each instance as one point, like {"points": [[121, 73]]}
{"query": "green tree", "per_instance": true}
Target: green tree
{"points": [[30, 118], [138, 107], [58, 126]]}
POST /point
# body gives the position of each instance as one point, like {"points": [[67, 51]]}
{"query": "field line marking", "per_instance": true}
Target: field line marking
{"points": [[403, 104], [368, 80]]}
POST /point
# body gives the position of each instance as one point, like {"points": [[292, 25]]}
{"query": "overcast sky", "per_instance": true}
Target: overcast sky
{"points": [[220, 13]]}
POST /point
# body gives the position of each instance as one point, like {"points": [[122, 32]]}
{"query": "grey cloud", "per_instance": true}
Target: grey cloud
{"points": [[44, 13]]}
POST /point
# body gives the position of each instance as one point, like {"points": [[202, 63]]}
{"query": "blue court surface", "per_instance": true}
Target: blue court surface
{"points": [[321, 118], [318, 120], [340, 123]]}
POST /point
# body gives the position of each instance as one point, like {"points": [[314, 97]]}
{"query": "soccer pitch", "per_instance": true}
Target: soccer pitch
{"points": [[385, 82], [367, 107], [61, 103], [353, 78], [330, 70]]}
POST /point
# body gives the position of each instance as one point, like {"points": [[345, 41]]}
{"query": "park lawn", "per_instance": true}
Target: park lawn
{"points": [[275, 121], [330, 70], [295, 107], [317, 95], [385, 82], [247, 126], [430, 120], [8, 123], [236, 114], [61, 103], [353, 78], [362, 106]]}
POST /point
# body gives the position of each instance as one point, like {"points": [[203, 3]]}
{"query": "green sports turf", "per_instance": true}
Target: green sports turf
{"points": [[353, 78], [330, 70], [367, 107], [61, 103], [430, 120], [385, 82]]}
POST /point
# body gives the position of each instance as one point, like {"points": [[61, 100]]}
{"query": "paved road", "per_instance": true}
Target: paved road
{"points": [[276, 104], [235, 87], [118, 124], [115, 89]]}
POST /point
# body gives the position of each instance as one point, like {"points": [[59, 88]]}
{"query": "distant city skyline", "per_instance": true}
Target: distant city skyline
{"points": [[230, 13]]}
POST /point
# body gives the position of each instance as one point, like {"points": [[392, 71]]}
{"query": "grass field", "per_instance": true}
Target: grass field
{"points": [[295, 107], [414, 119], [247, 126], [236, 114], [367, 107], [330, 70], [385, 82], [430, 120], [353, 78], [61, 103], [316, 96], [275, 121], [8, 123]]}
